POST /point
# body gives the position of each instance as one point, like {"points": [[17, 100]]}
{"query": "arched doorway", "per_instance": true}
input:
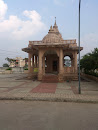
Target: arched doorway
{"points": [[67, 61], [50, 62]]}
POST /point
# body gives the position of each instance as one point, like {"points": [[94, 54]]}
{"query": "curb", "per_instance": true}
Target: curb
{"points": [[49, 99]]}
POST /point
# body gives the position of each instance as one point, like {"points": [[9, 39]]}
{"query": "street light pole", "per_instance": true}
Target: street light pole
{"points": [[79, 46]]}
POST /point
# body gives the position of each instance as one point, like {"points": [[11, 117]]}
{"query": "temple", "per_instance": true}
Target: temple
{"points": [[48, 56]]}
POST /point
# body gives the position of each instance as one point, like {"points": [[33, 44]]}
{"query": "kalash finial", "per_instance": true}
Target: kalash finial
{"points": [[51, 27], [55, 22]]}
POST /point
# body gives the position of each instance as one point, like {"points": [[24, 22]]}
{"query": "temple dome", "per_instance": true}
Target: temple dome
{"points": [[52, 38], [53, 35]]}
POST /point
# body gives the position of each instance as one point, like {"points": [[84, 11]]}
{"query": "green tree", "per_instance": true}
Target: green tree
{"points": [[90, 61], [5, 65], [10, 60]]}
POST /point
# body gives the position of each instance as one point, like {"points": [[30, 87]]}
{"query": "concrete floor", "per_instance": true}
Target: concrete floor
{"points": [[17, 86], [20, 115], [19, 82]]}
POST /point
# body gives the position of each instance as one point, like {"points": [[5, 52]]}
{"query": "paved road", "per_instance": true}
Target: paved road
{"points": [[20, 115]]}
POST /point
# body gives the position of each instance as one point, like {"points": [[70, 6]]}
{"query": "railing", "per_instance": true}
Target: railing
{"points": [[69, 41], [68, 69], [33, 42], [63, 41]]}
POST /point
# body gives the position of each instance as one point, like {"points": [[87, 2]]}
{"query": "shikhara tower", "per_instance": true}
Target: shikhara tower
{"points": [[48, 56]]}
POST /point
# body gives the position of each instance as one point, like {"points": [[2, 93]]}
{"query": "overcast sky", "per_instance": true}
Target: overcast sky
{"points": [[25, 20]]}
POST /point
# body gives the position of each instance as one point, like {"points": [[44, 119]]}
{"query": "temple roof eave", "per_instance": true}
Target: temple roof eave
{"points": [[30, 50], [27, 49], [71, 41], [64, 47]]}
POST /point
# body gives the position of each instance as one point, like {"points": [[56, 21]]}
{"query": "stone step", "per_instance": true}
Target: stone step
{"points": [[50, 79], [75, 79], [71, 78]]}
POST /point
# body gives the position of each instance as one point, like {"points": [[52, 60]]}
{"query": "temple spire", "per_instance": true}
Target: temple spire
{"points": [[51, 27], [55, 22]]}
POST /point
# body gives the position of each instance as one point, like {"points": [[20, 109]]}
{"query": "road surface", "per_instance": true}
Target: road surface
{"points": [[34, 115]]}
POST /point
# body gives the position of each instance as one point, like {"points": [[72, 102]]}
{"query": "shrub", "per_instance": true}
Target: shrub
{"points": [[5, 65], [25, 68], [91, 73], [9, 69]]}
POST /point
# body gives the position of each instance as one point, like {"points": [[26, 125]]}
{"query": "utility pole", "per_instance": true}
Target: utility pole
{"points": [[79, 46]]}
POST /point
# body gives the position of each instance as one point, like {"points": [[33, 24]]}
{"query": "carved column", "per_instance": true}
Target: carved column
{"points": [[75, 62], [32, 63], [29, 62], [35, 61], [43, 65], [61, 65], [72, 61], [61, 62], [40, 66]]}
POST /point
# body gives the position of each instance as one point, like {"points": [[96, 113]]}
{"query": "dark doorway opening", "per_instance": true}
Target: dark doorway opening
{"points": [[55, 66]]}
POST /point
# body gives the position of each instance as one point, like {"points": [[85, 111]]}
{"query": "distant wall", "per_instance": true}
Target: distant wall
{"points": [[17, 70], [3, 69], [14, 70], [90, 77]]}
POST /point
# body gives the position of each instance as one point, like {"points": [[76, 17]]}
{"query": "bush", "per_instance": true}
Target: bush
{"points": [[91, 73], [5, 65], [25, 68], [9, 69]]}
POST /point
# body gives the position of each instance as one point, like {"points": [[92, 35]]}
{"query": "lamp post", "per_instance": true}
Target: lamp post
{"points": [[79, 46]]}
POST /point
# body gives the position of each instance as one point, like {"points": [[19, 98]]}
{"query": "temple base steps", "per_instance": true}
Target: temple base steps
{"points": [[50, 78], [70, 78], [33, 76]]}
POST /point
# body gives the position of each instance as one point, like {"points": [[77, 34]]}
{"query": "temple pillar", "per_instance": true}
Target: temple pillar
{"points": [[32, 63], [40, 73], [61, 62], [35, 61], [75, 62], [43, 65], [72, 60], [61, 65], [29, 63]]}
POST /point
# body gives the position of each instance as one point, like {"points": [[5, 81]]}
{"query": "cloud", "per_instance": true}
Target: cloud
{"points": [[32, 15], [16, 32], [89, 42], [10, 25], [16, 28], [3, 9], [29, 27]]}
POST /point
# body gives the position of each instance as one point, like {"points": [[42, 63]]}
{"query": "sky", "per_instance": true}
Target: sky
{"points": [[22, 21]]}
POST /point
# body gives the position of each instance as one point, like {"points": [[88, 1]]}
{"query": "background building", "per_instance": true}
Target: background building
{"points": [[18, 62]]}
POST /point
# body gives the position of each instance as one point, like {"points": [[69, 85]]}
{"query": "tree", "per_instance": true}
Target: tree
{"points": [[10, 60], [90, 61], [5, 65], [26, 66]]}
